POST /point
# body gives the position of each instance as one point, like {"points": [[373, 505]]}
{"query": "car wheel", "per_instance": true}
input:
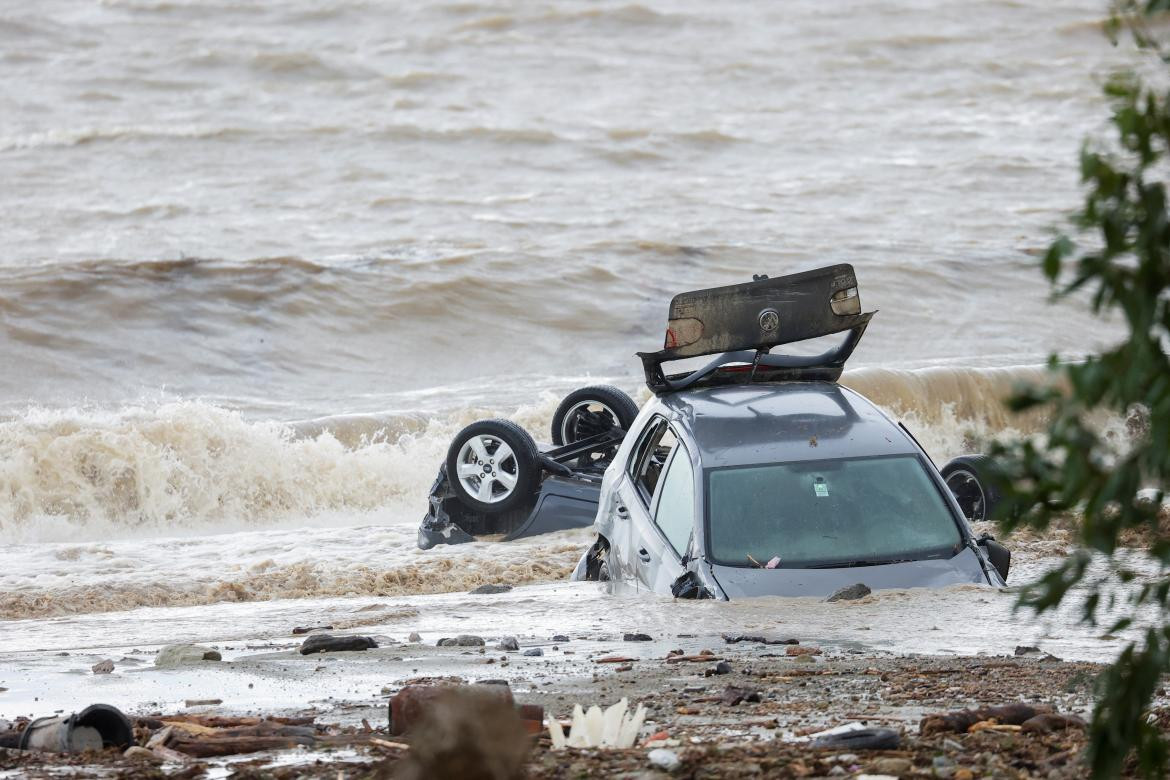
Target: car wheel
{"points": [[493, 466], [592, 410], [966, 477]]}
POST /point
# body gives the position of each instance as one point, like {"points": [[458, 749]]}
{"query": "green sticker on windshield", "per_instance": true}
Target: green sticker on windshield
{"points": [[820, 488]]}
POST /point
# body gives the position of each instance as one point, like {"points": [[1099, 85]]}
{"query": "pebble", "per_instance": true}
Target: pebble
{"points": [[720, 668], [664, 759], [963, 773], [637, 638], [534, 651], [142, 754], [463, 640], [178, 655], [894, 766], [490, 590], [509, 643], [103, 667], [414, 637], [560, 638], [850, 593]]}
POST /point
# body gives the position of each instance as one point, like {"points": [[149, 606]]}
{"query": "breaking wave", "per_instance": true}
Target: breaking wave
{"points": [[191, 464]]}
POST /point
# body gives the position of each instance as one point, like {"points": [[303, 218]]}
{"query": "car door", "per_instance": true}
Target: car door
{"points": [[649, 553]]}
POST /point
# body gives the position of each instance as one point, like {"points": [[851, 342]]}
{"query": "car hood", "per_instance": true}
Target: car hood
{"points": [[738, 582]]}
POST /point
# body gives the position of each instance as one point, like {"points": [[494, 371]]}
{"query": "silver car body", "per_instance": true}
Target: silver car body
{"points": [[752, 424]]}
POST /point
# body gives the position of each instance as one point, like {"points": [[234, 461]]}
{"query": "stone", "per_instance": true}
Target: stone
{"points": [[894, 766], [414, 637], [637, 638], [733, 695], [309, 629], [1026, 649], [103, 667], [509, 643], [327, 643], [720, 668], [850, 593], [560, 638], [463, 640], [534, 651], [490, 590], [136, 753], [664, 759], [181, 655], [963, 773], [795, 650]]}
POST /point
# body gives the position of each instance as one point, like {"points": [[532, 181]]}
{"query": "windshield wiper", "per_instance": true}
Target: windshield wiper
{"points": [[853, 564]]}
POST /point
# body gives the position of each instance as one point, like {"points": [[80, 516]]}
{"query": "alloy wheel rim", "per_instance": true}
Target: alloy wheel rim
{"points": [[487, 468]]}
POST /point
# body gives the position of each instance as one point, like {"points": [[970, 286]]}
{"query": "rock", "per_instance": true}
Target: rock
{"points": [[837, 771], [664, 759], [534, 651], [733, 695], [1026, 649], [307, 629], [795, 650], [509, 643], [464, 732], [560, 638], [850, 593], [720, 668], [181, 655], [894, 766], [963, 773], [327, 643], [490, 590], [137, 753], [463, 640], [637, 638], [414, 637], [103, 667]]}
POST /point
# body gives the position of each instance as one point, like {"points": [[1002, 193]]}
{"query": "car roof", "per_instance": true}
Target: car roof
{"points": [[737, 425]]}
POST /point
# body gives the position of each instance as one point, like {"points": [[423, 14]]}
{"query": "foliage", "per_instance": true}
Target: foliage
{"points": [[1119, 256]]}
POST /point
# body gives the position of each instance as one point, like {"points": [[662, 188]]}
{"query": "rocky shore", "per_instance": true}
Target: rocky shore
{"points": [[716, 707]]}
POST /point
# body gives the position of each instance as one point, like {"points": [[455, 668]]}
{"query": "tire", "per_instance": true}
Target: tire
{"points": [[511, 480], [967, 477], [591, 410]]}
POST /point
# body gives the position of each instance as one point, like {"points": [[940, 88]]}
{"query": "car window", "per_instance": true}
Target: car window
{"points": [[657, 448], [675, 513], [828, 512]]}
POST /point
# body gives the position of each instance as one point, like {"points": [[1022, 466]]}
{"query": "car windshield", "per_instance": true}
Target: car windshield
{"points": [[827, 513]]}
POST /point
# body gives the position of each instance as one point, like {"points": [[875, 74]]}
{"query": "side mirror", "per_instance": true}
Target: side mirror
{"points": [[1000, 556]]}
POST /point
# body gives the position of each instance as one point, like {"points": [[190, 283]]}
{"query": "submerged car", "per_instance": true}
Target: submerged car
{"points": [[756, 474]]}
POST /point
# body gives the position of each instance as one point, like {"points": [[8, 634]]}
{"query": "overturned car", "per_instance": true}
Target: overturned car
{"points": [[755, 474]]}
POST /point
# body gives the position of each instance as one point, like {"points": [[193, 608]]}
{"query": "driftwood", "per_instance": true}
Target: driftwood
{"points": [[211, 746]]}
